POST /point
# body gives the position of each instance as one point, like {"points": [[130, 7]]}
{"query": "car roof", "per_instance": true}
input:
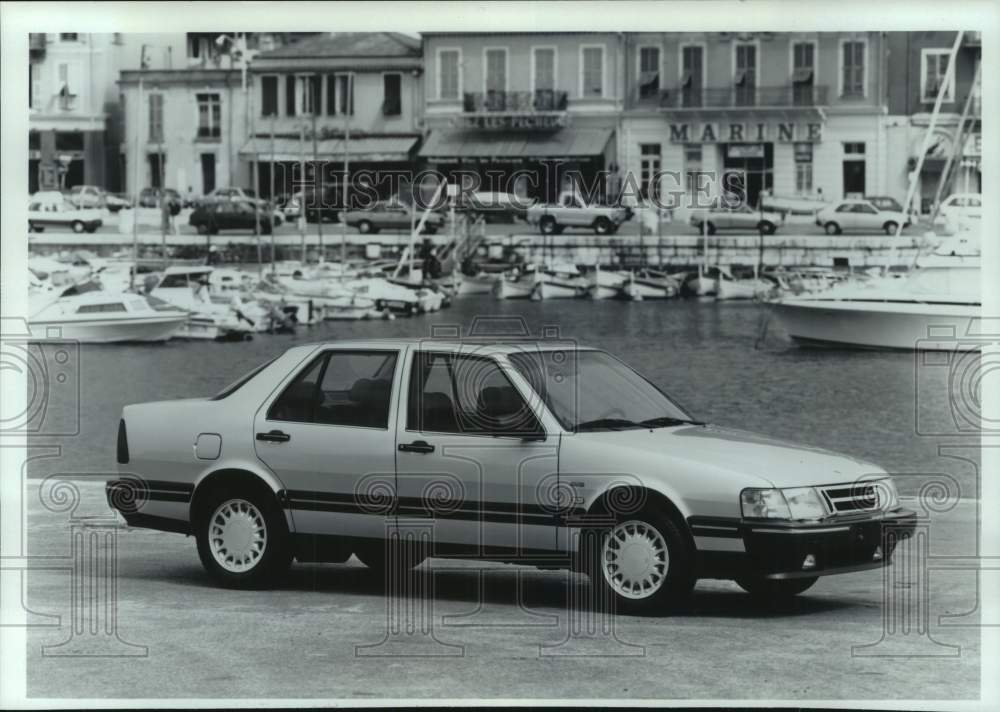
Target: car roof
{"points": [[484, 345]]}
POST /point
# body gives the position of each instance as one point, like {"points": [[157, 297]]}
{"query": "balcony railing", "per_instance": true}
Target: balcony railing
{"points": [[515, 102], [799, 94]]}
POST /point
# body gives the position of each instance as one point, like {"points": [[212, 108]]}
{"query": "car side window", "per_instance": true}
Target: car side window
{"points": [[453, 393], [845, 208], [352, 388], [871, 210], [974, 203]]}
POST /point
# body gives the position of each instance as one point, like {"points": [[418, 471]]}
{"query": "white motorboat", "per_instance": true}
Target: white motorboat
{"points": [[518, 283], [469, 285], [932, 308], [561, 281], [187, 288], [91, 315]]}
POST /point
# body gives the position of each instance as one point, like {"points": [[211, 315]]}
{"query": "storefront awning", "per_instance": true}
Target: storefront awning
{"points": [[443, 145], [366, 148]]}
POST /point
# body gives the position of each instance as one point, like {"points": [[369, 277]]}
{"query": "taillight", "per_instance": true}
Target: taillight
{"points": [[122, 443]]}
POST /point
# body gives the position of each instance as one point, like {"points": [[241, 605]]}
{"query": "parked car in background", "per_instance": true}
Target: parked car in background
{"points": [[310, 436], [50, 208], [391, 214], [572, 211], [859, 215], [493, 206], [961, 206], [150, 198], [210, 218], [885, 202], [741, 217], [90, 196]]}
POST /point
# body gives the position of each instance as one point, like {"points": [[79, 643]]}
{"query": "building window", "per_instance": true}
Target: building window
{"points": [[856, 149], [495, 78], [592, 72], [692, 167], [307, 94], [157, 162], [449, 81], [545, 69], [209, 115], [69, 140], [746, 74], [650, 167], [32, 89], [649, 71], [69, 37], [803, 168], [269, 96], [853, 68], [392, 94], [156, 118], [934, 69], [803, 73], [339, 95], [290, 82], [692, 59]]}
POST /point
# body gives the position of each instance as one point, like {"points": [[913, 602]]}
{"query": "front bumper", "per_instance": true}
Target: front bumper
{"points": [[779, 550]]}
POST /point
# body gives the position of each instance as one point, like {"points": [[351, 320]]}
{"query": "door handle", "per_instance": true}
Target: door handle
{"points": [[275, 436], [416, 446]]}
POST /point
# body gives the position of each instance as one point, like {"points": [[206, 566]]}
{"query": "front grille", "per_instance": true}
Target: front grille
{"points": [[852, 498]]}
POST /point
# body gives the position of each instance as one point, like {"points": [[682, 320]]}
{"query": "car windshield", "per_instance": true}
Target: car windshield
{"points": [[592, 390]]}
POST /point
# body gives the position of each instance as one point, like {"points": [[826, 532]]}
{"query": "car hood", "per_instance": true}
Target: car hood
{"points": [[779, 462]]}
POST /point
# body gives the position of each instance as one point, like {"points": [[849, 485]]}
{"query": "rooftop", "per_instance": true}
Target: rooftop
{"points": [[350, 45]]}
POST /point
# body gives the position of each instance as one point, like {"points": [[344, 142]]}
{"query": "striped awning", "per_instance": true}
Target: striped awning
{"points": [[448, 144], [365, 148]]}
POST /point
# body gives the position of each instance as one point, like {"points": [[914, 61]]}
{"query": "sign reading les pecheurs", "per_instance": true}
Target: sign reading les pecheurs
{"points": [[738, 132]]}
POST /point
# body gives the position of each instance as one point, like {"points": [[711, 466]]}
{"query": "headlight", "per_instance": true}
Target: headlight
{"points": [[888, 496], [804, 503], [764, 504]]}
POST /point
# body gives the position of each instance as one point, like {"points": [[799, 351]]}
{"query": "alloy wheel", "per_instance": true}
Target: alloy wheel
{"points": [[237, 535], [635, 560]]}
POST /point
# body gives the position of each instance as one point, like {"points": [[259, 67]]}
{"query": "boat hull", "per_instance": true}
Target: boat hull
{"points": [[550, 289], [110, 331], [509, 289], [879, 325]]}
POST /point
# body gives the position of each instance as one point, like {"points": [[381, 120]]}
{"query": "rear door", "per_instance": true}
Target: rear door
{"points": [[328, 435], [468, 463]]}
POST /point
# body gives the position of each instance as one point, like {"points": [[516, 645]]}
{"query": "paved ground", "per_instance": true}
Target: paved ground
{"points": [[300, 641]]}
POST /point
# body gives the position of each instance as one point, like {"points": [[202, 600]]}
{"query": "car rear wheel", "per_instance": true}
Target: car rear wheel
{"points": [[769, 589], [548, 225], [890, 227], [767, 227], [365, 227], [602, 226], [832, 228], [242, 537], [78, 226], [643, 564]]}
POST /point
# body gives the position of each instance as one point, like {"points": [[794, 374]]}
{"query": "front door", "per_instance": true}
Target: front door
{"points": [[328, 435], [207, 173], [470, 460]]}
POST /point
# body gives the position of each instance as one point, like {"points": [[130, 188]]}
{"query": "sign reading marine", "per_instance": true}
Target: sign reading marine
{"points": [[738, 132]]}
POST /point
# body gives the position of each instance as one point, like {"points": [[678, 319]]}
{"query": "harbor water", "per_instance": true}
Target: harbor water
{"points": [[900, 410]]}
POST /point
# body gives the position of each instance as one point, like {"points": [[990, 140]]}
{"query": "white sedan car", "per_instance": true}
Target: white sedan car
{"points": [[541, 453], [961, 206], [740, 217], [860, 215], [53, 209]]}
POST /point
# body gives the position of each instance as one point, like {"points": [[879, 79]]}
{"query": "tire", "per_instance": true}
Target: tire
{"points": [[202, 229], [767, 227], [78, 226], [648, 527], [775, 590], [890, 227], [602, 226], [248, 505], [832, 228], [548, 225], [365, 227], [33, 228], [92, 229]]}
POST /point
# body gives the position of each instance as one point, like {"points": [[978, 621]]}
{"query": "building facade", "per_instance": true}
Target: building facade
{"points": [[331, 100], [525, 113], [918, 65], [795, 114], [71, 92]]}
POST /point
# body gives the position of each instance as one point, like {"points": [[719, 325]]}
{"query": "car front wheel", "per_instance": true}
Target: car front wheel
{"points": [[602, 226], [242, 538], [890, 228], [548, 225], [832, 228], [769, 589], [643, 564], [78, 226]]}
